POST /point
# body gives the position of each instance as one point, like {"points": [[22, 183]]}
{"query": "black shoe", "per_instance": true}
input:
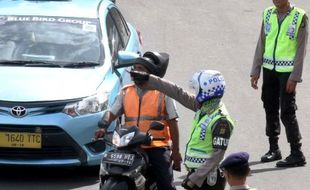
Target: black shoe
{"points": [[292, 161], [271, 156]]}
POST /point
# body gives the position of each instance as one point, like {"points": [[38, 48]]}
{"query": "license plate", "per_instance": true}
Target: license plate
{"points": [[119, 158], [20, 140]]}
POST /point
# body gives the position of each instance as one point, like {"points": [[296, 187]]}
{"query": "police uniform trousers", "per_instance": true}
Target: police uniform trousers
{"points": [[274, 96]]}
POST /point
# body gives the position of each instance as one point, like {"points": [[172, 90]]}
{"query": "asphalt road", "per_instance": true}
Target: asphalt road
{"points": [[200, 34]]}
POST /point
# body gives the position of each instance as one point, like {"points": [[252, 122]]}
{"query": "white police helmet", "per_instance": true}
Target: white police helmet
{"points": [[208, 84]]}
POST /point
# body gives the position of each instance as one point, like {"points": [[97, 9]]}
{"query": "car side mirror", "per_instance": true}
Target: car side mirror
{"points": [[125, 59]]}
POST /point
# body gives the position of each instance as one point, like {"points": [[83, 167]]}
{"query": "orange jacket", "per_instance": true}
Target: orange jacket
{"points": [[142, 111]]}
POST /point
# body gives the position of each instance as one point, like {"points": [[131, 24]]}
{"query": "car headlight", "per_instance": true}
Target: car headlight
{"points": [[91, 104], [122, 141]]}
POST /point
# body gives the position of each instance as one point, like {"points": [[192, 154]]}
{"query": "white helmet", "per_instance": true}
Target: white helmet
{"points": [[208, 84]]}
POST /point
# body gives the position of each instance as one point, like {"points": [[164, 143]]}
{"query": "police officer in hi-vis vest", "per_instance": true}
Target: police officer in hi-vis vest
{"points": [[140, 108], [280, 51], [211, 128]]}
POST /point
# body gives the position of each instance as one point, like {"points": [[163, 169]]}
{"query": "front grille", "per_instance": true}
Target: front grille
{"points": [[44, 153], [56, 144]]}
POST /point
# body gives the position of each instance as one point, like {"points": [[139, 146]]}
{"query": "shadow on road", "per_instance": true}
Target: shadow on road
{"points": [[253, 171], [49, 178], [253, 163], [261, 170]]}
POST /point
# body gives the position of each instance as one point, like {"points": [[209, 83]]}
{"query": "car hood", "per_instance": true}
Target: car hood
{"points": [[32, 84]]}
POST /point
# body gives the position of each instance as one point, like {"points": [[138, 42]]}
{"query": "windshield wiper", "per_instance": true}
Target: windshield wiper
{"points": [[42, 64], [30, 63], [81, 64]]}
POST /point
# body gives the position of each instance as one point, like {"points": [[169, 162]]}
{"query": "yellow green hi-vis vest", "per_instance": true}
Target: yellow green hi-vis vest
{"points": [[281, 39], [199, 147]]}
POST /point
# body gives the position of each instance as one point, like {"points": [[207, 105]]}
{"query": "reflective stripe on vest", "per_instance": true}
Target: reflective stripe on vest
{"points": [[128, 119], [142, 111], [199, 148], [281, 39]]}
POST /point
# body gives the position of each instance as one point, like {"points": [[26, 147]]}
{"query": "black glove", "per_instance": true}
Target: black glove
{"points": [[187, 184], [139, 76], [103, 124]]}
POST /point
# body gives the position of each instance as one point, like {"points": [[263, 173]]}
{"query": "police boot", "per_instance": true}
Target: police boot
{"points": [[296, 158], [271, 155], [274, 152]]}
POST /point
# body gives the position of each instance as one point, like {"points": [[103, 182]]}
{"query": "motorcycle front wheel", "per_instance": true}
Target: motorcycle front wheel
{"points": [[115, 184]]}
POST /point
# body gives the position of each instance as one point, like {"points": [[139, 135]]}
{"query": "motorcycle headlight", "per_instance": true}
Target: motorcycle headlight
{"points": [[91, 104], [116, 138], [122, 141]]}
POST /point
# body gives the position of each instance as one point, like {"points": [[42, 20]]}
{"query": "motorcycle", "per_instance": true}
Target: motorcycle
{"points": [[125, 166]]}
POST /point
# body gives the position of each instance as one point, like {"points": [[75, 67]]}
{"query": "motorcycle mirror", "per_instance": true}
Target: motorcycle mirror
{"points": [[125, 59], [156, 125]]}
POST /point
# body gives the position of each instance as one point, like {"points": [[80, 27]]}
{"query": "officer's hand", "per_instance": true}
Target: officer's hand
{"points": [[177, 160], [100, 133], [291, 86], [187, 184], [139, 76], [254, 81]]}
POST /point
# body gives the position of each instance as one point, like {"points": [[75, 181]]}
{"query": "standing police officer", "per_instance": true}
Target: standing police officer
{"points": [[280, 51]]}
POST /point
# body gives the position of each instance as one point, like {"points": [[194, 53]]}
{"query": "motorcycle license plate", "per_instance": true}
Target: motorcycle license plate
{"points": [[119, 158], [20, 140]]}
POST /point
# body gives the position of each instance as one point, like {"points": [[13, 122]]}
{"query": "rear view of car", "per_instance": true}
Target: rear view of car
{"points": [[57, 78]]}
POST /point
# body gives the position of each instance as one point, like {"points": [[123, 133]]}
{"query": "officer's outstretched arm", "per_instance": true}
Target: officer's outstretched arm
{"points": [[152, 82], [172, 90]]}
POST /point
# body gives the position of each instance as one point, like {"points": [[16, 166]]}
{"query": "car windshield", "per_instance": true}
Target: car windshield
{"points": [[61, 40]]}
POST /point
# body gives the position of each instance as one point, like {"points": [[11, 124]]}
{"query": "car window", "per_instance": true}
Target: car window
{"points": [[57, 39], [115, 42], [121, 25]]}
